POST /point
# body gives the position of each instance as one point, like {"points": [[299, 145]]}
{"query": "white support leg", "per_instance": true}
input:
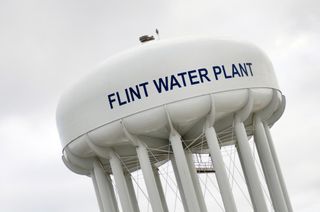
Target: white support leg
{"points": [[220, 170], [121, 183], [249, 169], [178, 179], [104, 189], [196, 182], [132, 192], [160, 189], [96, 189], [277, 165], [268, 167], [113, 195], [245, 176], [184, 173], [149, 178]]}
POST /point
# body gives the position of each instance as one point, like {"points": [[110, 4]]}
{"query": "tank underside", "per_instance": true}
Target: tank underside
{"points": [[188, 117]]}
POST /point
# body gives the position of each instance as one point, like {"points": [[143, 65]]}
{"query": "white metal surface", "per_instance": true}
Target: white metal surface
{"points": [[221, 174], [105, 189], [132, 192], [151, 183], [195, 181], [179, 184], [279, 172], [184, 173], [121, 184], [249, 169], [86, 106], [268, 166]]}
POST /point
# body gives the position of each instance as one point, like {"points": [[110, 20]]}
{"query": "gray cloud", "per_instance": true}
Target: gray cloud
{"points": [[47, 45]]}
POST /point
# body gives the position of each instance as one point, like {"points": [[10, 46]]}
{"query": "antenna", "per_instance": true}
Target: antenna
{"points": [[158, 35]]}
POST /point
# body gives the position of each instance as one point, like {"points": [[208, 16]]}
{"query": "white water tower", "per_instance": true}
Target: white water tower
{"points": [[161, 101]]}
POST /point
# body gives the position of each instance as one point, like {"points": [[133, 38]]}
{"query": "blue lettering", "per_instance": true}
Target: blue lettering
{"points": [[178, 80], [127, 95], [249, 64], [144, 86], [225, 74], [235, 71], [135, 93], [192, 77], [161, 84], [119, 100], [182, 75], [216, 71], [203, 73], [174, 82], [111, 100], [243, 69]]}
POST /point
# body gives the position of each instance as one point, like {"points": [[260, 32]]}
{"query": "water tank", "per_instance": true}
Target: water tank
{"points": [[164, 98]]}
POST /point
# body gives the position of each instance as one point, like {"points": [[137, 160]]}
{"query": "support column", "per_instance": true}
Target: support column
{"points": [[132, 192], [104, 189], [196, 182], [277, 165], [184, 173], [121, 183], [268, 167], [96, 189], [249, 169], [149, 178], [113, 195], [178, 179], [160, 189], [220, 170]]}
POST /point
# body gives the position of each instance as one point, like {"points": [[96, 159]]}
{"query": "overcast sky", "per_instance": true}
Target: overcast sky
{"points": [[45, 46]]}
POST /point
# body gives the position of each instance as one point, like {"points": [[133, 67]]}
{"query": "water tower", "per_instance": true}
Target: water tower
{"points": [[160, 102]]}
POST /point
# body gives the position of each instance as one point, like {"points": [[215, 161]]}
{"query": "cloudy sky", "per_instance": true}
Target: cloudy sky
{"points": [[46, 45]]}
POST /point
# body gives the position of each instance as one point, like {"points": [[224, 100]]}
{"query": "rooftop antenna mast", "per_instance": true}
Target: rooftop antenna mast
{"points": [[158, 35]]}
